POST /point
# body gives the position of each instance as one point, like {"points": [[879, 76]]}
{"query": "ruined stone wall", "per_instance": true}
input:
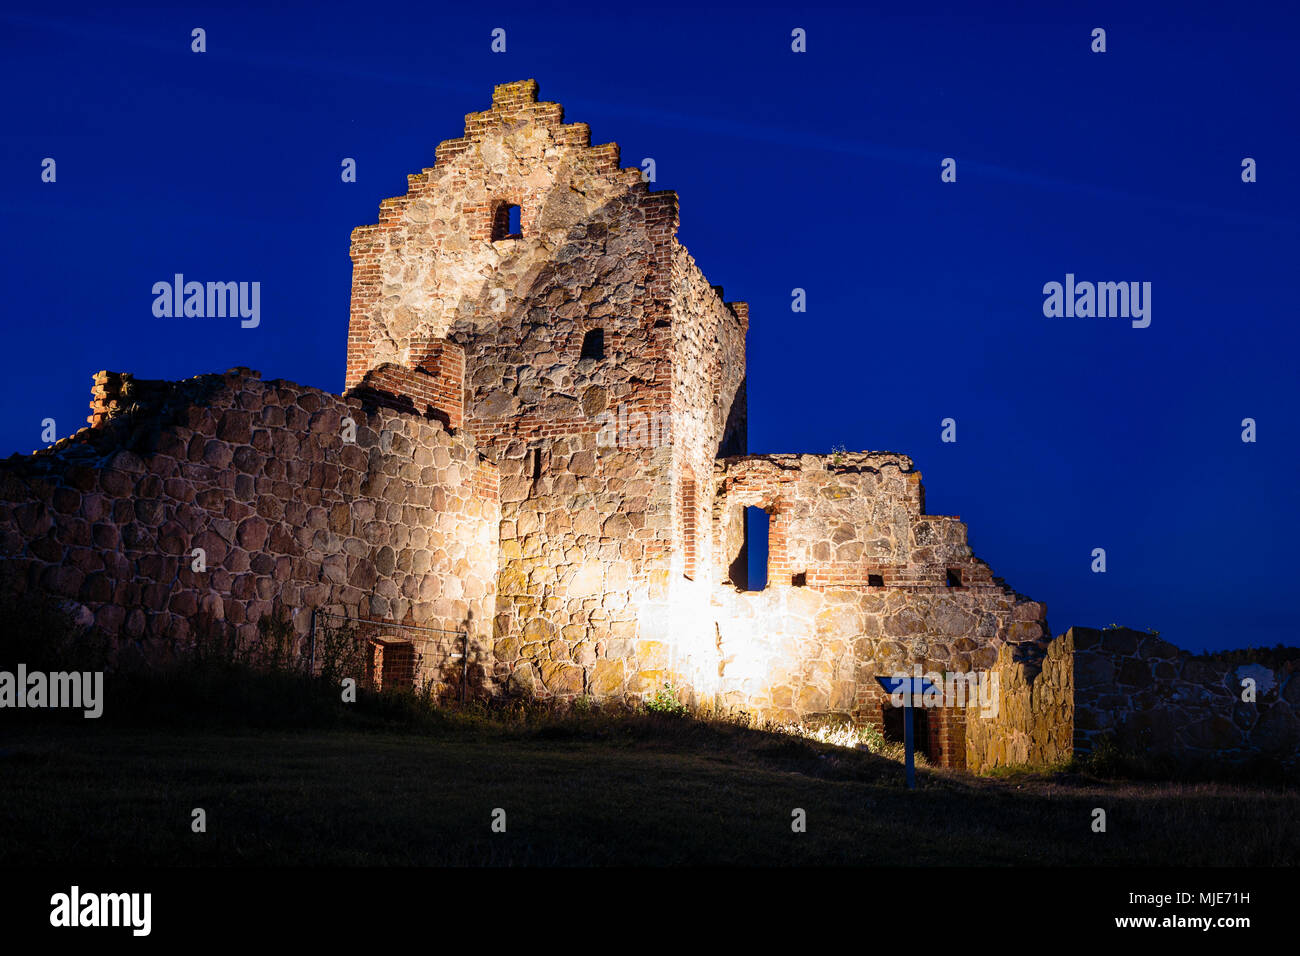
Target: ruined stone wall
{"points": [[708, 371], [813, 649], [593, 252], [840, 520], [437, 255], [550, 437], [584, 354], [1149, 696], [399, 526], [708, 419], [1034, 721], [800, 652], [594, 493]]}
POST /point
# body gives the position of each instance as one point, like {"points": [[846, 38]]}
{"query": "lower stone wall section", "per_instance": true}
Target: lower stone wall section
{"points": [[1149, 696], [399, 525], [1033, 724], [796, 653]]}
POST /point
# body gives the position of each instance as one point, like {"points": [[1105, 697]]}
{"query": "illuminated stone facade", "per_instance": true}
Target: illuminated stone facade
{"points": [[622, 495], [547, 403]]}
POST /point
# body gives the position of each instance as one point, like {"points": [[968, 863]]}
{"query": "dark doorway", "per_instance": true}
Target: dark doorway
{"points": [[920, 727]]}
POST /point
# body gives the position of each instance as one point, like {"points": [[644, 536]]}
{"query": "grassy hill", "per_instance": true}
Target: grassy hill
{"points": [[644, 790]]}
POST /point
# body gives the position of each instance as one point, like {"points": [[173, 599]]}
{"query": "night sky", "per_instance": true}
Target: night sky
{"points": [[816, 170]]}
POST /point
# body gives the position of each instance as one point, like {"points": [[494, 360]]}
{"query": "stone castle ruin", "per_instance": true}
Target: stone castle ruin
{"points": [[543, 441]]}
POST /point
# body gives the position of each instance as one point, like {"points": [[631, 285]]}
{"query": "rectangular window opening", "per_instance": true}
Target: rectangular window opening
{"points": [[506, 222], [757, 525], [593, 344]]}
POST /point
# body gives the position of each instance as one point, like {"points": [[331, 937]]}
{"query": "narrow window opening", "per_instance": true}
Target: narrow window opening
{"points": [[506, 222], [954, 578], [537, 464], [800, 580], [757, 522], [593, 344], [876, 580]]}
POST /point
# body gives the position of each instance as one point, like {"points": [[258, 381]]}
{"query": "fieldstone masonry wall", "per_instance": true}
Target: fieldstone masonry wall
{"points": [[1149, 696], [813, 642], [1034, 721], [400, 525], [1143, 695]]}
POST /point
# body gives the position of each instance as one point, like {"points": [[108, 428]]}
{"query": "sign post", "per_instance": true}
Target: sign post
{"points": [[909, 686]]}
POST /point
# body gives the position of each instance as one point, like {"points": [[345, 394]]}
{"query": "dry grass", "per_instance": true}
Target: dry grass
{"points": [[638, 790]]}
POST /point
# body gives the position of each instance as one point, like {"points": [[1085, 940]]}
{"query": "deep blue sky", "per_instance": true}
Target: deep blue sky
{"points": [[818, 171]]}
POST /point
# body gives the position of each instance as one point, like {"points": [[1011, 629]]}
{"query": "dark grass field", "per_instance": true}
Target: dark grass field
{"points": [[290, 775], [650, 790]]}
